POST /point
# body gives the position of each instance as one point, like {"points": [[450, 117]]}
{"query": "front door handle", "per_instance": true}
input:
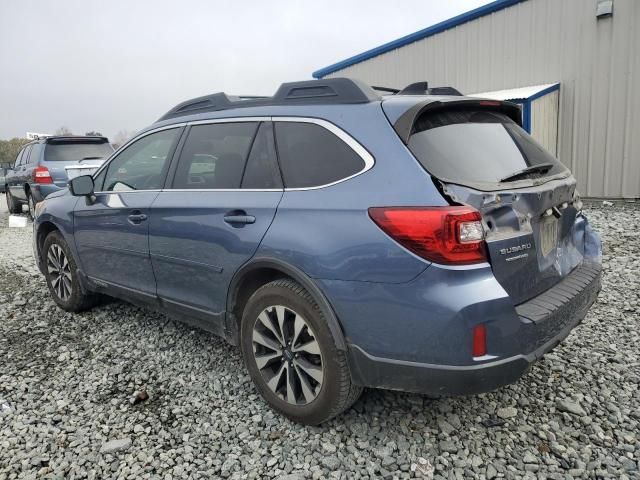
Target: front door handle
{"points": [[136, 218], [239, 218]]}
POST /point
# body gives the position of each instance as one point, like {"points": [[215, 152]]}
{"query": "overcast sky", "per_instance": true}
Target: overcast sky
{"points": [[115, 65]]}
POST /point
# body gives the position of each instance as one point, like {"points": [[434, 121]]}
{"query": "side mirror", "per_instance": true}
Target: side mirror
{"points": [[81, 186]]}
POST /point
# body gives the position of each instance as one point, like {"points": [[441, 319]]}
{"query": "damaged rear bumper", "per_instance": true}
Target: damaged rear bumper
{"points": [[545, 321]]}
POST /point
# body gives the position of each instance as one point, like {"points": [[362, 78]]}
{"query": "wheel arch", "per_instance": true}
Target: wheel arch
{"points": [[261, 271], [44, 229]]}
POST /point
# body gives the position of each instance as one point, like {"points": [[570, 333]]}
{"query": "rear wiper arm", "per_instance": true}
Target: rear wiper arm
{"points": [[539, 168], [90, 158]]}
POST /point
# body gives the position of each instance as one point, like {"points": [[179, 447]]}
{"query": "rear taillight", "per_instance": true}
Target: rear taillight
{"points": [[42, 175], [449, 235]]}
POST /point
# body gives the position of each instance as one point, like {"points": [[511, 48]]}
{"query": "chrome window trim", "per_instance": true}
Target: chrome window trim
{"points": [[133, 140], [184, 190], [222, 190], [362, 152], [112, 192]]}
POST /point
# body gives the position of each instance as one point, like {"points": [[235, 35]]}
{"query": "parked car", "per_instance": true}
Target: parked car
{"points": [[341, 239], [3, 174], [45, 165]]}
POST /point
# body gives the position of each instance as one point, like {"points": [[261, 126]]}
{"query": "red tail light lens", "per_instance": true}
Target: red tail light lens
{"points": [[448, 235], [479, 341], [42, 175]]}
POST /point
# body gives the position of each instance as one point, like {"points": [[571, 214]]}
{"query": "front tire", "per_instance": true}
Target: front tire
{"points": [[61, 274], [292, 356], [12, 205]]}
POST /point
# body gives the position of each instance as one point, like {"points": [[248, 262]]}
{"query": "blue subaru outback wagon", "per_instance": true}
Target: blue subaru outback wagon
{"points": [[419, 240]]}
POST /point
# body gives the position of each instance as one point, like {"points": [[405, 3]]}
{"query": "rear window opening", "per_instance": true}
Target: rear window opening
{"points": [[480, 148], [75, 150]]}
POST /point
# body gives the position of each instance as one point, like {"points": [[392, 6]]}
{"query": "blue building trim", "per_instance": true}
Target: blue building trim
{"points": [[419, 35], [542, 93], [526, 116], [528, 101]]}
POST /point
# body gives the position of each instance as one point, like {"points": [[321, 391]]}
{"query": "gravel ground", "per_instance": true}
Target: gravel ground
{"points": [[73, 394]]}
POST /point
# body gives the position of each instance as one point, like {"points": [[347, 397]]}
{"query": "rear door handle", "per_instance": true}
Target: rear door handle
{"points": [[137, 218], [239, 219]]}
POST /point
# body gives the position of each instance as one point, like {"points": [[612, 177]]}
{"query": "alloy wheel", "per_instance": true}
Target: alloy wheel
{"points": [[59, 272], [32, 207], [288, 355]]}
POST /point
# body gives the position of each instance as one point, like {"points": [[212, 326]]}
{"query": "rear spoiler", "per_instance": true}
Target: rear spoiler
{"points": [[78, 139], [404, 125]]}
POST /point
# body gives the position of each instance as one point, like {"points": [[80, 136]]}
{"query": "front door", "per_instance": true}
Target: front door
{"points": [[214, 215], [112, 230]]}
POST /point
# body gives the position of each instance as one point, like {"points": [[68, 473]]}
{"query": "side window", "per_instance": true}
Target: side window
{"points": [[25, 155], [262, 170], [98, 180], [18, 161], [34, 156], [214, 156], [142, 165], [311, 155]]}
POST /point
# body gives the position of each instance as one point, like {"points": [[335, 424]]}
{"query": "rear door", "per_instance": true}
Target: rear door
{"points": [[484, 159], [12, 174], [221, 198], [21, 175], [112, 230]]}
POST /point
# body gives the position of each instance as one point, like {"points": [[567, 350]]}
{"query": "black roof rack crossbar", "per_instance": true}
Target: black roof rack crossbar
{"points": [[385, 89], [450, 91], [422, 88], [311, 92]]}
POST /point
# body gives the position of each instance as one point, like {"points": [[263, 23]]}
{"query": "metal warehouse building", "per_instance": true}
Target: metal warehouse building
{"points": [[574, 65]]}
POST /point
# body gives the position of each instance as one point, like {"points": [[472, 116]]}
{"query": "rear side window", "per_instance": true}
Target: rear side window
{"points": [[262, 170], [70, 151], [478, 147], [25, 155], [18, 161], [311, 155], [34, 155], [214, 156]]}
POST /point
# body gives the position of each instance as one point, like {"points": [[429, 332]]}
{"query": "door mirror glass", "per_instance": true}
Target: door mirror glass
{"points": [[81, 186]]}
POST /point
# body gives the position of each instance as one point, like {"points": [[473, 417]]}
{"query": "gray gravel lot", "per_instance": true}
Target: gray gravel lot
{"points": [[72, 396]]}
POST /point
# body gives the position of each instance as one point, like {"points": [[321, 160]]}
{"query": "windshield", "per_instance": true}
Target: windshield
{"points": [[472, 146], [74, 151]]}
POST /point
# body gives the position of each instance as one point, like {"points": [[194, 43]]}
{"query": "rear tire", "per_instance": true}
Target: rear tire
{"points": [[12, 205], [292, 357], [61, 274], [32, 206]]}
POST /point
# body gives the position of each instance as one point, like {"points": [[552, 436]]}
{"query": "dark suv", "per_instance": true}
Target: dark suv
{"points": [[341, 238], [45, 165]]}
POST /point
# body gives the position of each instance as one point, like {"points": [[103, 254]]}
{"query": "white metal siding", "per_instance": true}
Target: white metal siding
{"points": [[544, 121], [597, 63]]}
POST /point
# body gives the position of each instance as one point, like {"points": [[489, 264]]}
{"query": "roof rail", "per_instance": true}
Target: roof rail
{"points": [[328, 91]]}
